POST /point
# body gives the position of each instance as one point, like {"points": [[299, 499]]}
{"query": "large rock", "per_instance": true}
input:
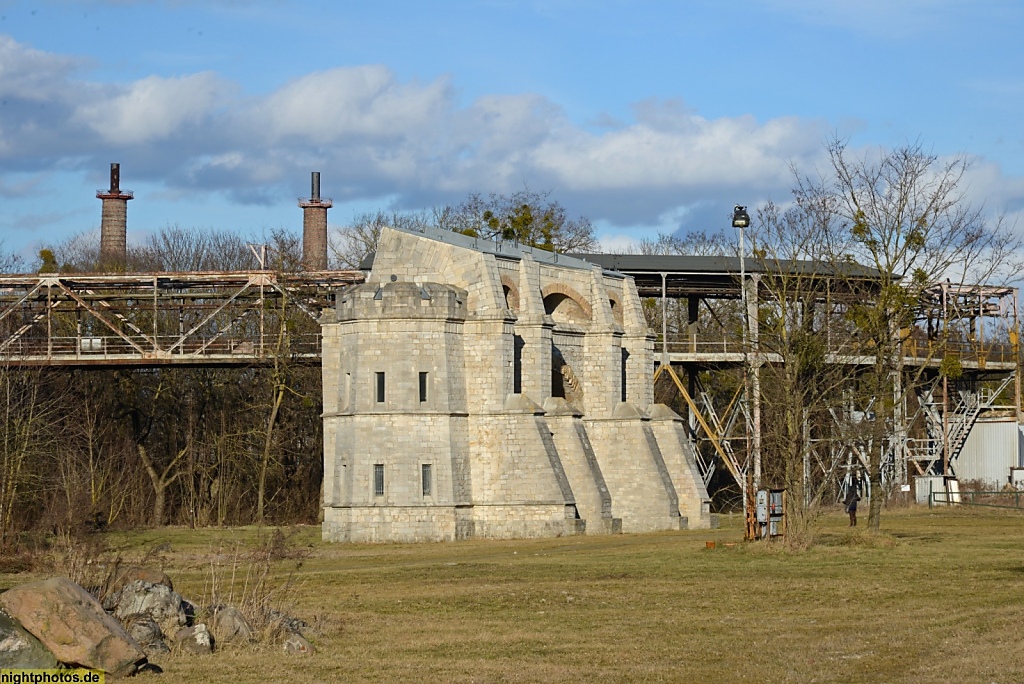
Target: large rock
{"points": [[21, 650], [144, 630], [156, 601], [122, 576], [73, 626], [229, 625]]}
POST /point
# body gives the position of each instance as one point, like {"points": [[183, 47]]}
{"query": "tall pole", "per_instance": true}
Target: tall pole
{"points": [[746, 351], [746, 360], [741, 220]]}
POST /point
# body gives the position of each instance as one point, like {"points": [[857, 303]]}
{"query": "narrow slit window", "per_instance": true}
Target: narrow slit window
{"points": [[423, 386], [378, 479], [427, 479], [380, 387]]}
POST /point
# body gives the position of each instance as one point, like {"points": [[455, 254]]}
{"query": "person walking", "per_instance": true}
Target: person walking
{"points": [[851, 504]]}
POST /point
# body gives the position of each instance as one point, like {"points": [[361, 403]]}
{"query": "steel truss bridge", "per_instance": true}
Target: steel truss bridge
{"points": [[156, 319]]}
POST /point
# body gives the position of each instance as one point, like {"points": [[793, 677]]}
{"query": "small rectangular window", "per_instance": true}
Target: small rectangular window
{"points": [[427, 478], [380, 388], [378, 479], [423, 387]]}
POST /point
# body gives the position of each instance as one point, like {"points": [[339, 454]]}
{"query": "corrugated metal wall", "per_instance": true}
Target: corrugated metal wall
{"points": [[992, 448]]}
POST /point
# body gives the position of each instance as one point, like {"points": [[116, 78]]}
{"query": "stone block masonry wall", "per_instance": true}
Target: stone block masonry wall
{"points": [[631, 471], [396, 402], [602, 372], [525, 521], [581, 468], [517, 472], [676, 450], [391, 524], [534, 328], [639, 343], [489, 349]]}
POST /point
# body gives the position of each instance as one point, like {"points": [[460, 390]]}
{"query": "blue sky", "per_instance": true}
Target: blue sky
{"points": [[643, 115]]}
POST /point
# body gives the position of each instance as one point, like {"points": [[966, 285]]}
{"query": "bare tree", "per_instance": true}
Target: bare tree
{"points": [[352, 244], [903, 213], [10, 262], [696, 243], [800, 310], [174, 248], [530, 217], [30, 415]]}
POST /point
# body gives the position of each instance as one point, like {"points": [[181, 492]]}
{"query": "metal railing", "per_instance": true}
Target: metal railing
{"points": [[108, 346], [839, 345], [992, 499]]}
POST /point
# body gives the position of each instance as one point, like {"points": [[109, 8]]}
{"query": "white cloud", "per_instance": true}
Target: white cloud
{"points": [[619, 243], [688, 151], [346, 102], [376, 136], [152, 108], [31, 74]]}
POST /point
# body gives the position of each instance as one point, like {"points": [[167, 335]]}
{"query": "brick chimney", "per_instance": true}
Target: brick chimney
{"points": [[114, 222], [314, 227]]}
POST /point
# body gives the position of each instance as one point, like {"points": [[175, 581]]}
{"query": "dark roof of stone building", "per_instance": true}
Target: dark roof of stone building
{"points": [[716, 276]]}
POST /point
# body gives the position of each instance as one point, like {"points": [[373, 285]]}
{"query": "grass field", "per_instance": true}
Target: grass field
{"points": [[939, 597]]}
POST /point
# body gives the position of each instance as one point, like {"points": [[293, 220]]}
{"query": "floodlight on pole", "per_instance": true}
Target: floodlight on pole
{"points": [[740, 221]]}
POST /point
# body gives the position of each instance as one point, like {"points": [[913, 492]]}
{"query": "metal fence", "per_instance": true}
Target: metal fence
{"points": [[1011, 499]]}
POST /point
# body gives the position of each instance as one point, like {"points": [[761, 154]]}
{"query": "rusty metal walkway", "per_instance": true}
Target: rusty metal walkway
{"points": [[156, 319]]}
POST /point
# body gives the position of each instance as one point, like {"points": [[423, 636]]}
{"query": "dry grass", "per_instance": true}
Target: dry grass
{"points": [[937, 598]]}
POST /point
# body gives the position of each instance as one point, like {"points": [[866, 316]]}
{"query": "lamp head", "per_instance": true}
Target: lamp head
{"points": [[740, 217]]}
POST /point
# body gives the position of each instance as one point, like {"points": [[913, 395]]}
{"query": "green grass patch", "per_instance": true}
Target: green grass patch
{"points": [[939, 596]]}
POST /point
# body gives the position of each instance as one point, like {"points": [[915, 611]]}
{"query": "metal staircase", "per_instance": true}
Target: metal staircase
{"points": [[951, 433]]}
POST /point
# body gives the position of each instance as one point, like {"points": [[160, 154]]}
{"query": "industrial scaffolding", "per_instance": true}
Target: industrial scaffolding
{"points": [[973, 328]]}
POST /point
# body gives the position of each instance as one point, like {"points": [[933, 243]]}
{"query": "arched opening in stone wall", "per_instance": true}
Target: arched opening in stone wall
{"points": [[511, 292], [565, 308]]}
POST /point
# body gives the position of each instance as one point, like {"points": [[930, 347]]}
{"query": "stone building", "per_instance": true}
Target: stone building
{"points": [[479, 389]]}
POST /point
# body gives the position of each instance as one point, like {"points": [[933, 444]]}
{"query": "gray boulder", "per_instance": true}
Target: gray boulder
{"points": [[229, 625], [21, 650], [146, 631], [121, 576], [158, 602]]}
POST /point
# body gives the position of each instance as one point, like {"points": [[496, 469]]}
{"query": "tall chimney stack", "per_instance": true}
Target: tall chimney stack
{"points": [[314, 227], [114, 221]]}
